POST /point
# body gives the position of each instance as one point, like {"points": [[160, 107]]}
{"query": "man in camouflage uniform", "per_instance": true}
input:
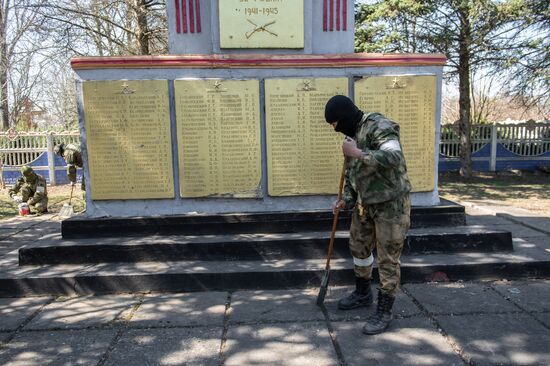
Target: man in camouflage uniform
{"points": [[33, 191], [377, 186], [72, 156]]}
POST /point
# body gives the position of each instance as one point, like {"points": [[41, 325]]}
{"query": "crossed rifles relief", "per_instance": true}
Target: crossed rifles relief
{"points": [[260, 28]]}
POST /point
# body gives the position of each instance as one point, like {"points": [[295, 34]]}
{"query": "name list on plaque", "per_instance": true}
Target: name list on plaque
{"points": [[218, 124], [304, 154], [128, 139], [410, 101]]}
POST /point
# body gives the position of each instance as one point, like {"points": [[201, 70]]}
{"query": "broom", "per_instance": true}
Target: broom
{"points": [[326, 276], [67, 209]]}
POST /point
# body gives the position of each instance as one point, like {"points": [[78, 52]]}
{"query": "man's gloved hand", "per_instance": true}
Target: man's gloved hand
{"points": [[16, 198]]}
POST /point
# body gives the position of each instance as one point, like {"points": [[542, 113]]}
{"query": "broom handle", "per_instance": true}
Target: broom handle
{"points": [[336, 214], [71, 197]]}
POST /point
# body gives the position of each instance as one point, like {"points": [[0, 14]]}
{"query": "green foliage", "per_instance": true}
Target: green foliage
{"points": [[510, 38]]}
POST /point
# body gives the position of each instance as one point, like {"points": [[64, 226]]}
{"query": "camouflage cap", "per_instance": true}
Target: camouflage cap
{"points": [[58, 149], [27, 171]]}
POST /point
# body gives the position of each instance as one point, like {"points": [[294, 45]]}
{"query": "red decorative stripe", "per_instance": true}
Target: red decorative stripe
{"points": [[178, 20], [331, 15], [191, 17], [345, 15], [184, 15], [338, 15], [325, 15], [256, 61], [198, 14]]}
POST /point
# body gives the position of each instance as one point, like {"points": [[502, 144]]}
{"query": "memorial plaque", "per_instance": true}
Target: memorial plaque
{"points": [[304, 154], [410, 101], [261, 23], [218, 123], [128, 138]]}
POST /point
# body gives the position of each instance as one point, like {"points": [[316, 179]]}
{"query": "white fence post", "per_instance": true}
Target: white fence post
{"points": [[494, 138], [51, 158]]}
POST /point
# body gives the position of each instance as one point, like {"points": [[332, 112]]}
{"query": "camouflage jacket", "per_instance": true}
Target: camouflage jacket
{"points": [[73, 158], [381, 174], [37, 190]]}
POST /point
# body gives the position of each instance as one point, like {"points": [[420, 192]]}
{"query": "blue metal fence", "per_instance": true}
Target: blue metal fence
{"points": [[34, 149], [497, 147]]}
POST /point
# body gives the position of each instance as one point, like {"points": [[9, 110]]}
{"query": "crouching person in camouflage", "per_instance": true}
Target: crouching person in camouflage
{"points": [[377, 187], [33, 191]]}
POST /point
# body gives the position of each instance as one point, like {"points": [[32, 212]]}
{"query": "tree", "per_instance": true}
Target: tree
{"points": [[108, 27], [528, 65], [17, 20], [473, 34]]}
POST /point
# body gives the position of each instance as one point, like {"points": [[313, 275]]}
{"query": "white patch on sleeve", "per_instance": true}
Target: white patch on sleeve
{"points": [[363, 262], [40, 189], [391, 145]]}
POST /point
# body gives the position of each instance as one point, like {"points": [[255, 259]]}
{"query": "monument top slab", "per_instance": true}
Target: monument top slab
{"points": [[261, 26]]}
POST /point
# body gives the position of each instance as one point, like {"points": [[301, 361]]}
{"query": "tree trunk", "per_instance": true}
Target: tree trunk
{"points": [[464, 103], [142, 32], [4, 68], [4, 89]]}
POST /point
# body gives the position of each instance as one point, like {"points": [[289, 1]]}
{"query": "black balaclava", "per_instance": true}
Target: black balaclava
{"points": [[341, 109]]}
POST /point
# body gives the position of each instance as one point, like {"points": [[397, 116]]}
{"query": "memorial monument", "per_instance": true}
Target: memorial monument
{"points": [[213, 168], [233, 119]]}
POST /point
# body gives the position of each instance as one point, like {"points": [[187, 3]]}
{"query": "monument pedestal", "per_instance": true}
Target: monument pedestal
{"points": [[214, 169]]}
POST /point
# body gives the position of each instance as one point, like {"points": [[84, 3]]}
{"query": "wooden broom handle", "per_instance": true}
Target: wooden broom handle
{"points": [[336, 214]]}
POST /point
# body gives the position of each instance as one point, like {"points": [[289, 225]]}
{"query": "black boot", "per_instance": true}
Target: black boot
{"points": [[362, 296], [379, 321]]}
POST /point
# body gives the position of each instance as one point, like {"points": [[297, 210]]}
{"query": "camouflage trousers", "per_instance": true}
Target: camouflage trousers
{"points": [[40, 206], [383, 227]]}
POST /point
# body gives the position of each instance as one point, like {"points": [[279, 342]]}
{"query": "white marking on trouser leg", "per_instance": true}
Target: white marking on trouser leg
{"points": [[363, 262]]}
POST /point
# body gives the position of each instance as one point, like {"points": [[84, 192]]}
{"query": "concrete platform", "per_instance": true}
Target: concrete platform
{"points": [[447, 213], [263, 265], [271, 246]]}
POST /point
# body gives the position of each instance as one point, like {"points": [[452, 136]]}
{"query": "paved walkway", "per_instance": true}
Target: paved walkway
{"points": [[493, 323], [461, 323]]}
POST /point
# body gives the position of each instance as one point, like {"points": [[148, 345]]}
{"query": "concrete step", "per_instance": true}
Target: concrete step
{"points": [[176, 276], [242, 247], [446, 213]]}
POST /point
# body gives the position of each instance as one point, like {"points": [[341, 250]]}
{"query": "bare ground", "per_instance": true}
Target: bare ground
{"points": [[527, 190]]}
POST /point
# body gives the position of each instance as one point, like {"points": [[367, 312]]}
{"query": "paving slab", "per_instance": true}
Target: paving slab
{"points": [[274, 306], [4, 335], [499, 339], [529, 295], [488, 220], [174, 346], [458, 298], [191, 309], [403, 306], [82, 312], [540, 223], [411, 341], [522, 231], [56, 348], [289, 344], [14, 311]]}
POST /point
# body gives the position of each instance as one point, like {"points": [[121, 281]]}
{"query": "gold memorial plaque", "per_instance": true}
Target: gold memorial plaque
{"points": [[410, 101], [261, 23], [218, 124], [128, 139], [304, 154]]}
